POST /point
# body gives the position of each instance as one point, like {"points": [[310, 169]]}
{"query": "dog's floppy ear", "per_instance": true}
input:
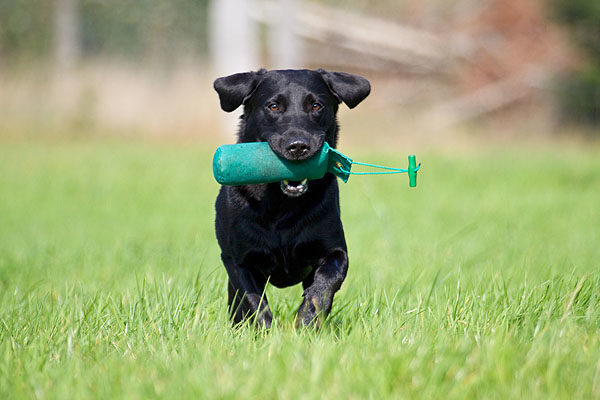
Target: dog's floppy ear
{"points": [[349, 88], [234, 90]]}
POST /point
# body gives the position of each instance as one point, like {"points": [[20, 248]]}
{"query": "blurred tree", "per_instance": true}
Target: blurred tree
{"points": [[25, 30], [579, 93], [152, 29], [39, 30]]}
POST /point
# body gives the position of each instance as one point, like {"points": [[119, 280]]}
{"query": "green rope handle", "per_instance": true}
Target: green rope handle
{"points": [[340, 165], [392, 170], [412, 170]]}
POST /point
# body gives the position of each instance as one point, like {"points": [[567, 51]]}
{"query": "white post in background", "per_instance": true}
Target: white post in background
{"points": [[64, 93], [66, 36], [233, 37], [234, 47], [285, 47]]}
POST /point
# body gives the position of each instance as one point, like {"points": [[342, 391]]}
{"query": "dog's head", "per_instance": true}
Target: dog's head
{"points": [[293, 110]]}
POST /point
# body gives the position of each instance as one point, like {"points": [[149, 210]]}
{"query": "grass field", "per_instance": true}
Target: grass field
{"points": [[483, 282]]}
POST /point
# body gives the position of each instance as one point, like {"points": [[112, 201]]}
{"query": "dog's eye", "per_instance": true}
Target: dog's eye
{"points": [[316, 107], [273, 107]]}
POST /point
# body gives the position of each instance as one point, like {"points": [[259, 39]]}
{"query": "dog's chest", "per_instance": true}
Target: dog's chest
{"points": [[283, 255], [282, 240], [283, 269]]}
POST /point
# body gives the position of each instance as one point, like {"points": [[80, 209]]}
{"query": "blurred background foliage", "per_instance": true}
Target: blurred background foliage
{"points": [[131, 29], [500, 47], [164, 28], [26, 28], [579, 91]]}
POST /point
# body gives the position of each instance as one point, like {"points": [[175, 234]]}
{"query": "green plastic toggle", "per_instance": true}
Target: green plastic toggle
{"points": [[252, 163], [412, 171]]}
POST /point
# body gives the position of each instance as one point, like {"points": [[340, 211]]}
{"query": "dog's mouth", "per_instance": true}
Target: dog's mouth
{"points": [[294, 188]]}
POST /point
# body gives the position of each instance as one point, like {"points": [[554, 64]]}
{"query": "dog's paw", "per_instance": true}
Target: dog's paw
{"points": [[311, 313], [264, 319]]}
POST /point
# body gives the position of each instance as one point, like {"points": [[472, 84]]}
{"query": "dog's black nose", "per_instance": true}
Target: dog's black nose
{"points": [[298, 149]]}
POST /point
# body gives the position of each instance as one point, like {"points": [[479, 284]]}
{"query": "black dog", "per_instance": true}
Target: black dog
{"points": [[288, 232]]}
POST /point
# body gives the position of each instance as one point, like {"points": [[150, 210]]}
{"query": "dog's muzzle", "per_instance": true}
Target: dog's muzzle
{"points": [[294, 188]]}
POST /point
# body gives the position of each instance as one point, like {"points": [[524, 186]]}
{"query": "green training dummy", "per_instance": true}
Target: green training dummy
{"points": [[252, 163]]}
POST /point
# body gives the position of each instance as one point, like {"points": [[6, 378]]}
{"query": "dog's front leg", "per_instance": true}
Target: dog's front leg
{"points": [[320, 287], [246, 298]]}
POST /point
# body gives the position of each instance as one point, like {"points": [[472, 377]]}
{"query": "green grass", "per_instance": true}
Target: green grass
{"points": [[483, 282]]}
